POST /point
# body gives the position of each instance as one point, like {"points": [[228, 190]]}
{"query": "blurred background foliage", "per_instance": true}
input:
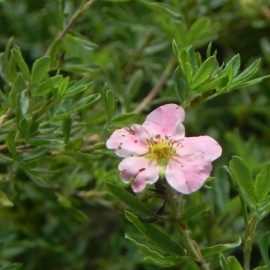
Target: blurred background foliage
{"points": [[54, 119]]}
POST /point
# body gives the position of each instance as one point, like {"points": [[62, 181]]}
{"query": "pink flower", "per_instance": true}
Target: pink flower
{"points": [[159, 147]]}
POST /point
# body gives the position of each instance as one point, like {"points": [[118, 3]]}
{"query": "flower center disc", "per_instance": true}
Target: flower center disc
{"points": [[161, 150]]}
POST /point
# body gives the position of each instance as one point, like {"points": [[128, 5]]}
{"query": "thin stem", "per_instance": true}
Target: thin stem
{"points": [[72, 21], [154, 91], [249, 235], [190, 245]]}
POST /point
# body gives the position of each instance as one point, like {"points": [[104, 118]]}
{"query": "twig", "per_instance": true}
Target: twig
{"points": [[154, 91], [69, 25], [5, 116]]}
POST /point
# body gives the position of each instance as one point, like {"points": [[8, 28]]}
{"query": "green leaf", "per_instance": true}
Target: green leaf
{"points": [[74, 144], [234, 264], [4, 200], [235, 63], [223, 262], [153, 255], [247, 73], [185, 63], [24, 103], [13, 266], [243, 179], [180, 84], [66, 128], [10, 143], [62, 87], [194, 210], [77, 87], [109, 104], [262, 183], [134, 84], [155, 236], [204, 72], [214, 250], [40, 68], [16, 53], [130, 200], [264, 245], [124, 119]]}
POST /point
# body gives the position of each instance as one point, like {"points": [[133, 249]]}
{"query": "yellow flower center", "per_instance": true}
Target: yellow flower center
{"points": [[160, 149]]}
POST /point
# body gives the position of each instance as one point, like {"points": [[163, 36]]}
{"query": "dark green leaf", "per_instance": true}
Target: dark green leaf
{"points": [[124, 119], [10, 143], [130, 200], [153, 255], [194, 210], [109, 104], [13, 266], [155, 236]]}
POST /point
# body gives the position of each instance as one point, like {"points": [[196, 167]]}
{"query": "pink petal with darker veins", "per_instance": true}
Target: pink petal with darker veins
{"points": [[188, 174], [143, 170], [166, 121], [128, 141], [205, 145]]}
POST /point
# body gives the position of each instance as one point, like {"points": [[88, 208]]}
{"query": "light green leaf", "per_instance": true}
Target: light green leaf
{"points": [[40, 67], [243, 179], [262, 183], [204, 72], [4, 200], [223, 262], [155, 236], [214, 250], [130, 200], [186, 66], [234, 264], [247, 73], [77, 87], [235, 63]]}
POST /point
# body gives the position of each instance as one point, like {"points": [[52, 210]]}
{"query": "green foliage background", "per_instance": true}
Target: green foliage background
{"points": [[56, 113]]}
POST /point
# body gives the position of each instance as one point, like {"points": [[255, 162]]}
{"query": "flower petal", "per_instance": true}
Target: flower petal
{"points": [[205, 145], [143, 170], [188, 174], [128, 141], [166, 121]]}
